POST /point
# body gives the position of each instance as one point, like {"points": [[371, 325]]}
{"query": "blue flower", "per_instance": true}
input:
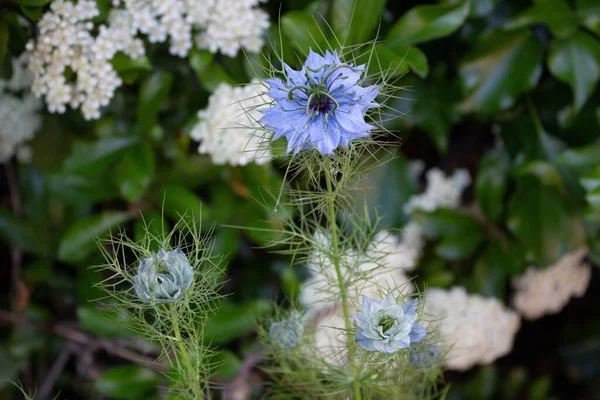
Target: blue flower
{"points": [[387, 326], [288, 333], [322, 106], [425, 358], [164, 277]]}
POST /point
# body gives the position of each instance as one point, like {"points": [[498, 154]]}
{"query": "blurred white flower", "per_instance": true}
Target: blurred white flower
{"points": [[546, 291], [475, 329], [227, 129], [441, 192], [19, 112], [331, 338]]}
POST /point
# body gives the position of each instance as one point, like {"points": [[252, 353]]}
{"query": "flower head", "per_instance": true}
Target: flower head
{"points": [[387, 326], [425, 358], [288, 333], [321, 106], [164, 277]]}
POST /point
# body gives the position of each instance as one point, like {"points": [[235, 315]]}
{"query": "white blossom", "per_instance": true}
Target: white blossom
{"points": [[19, 112], [331, 339], [474, 329], [228, 130], [70, 66], [441, 192], [546, 291]]}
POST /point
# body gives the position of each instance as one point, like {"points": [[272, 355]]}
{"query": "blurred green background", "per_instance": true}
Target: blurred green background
{"points": [[474, 74]]}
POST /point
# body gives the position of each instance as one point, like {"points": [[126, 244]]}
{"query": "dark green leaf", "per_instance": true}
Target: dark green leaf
{"points": [[135, 172], [127, 382], [481, 8], [424, 23], [499, 69], [390, 186], [209, 72], [588, 12], [103, 323], [80, 238], [544, 172], [576, 61], [122, 62], [34, 3], [233, 320], [557, 14], [539, 219], [490, 186], [303, 31], [227, 364], [412, 56], [179, 201], [23, 235], [489, 276], [149, 226], [153, 93], [4, 35], [580, 159], [446, 222], [78, 189], [459, 247], [353, 21], [93, 157]]}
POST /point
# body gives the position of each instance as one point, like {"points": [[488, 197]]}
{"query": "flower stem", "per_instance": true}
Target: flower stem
{"points": [[184, 353], [338, 271]]}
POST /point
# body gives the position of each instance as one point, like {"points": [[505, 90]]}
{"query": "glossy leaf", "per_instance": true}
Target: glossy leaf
{"points": [[153, 93], [576, 61], [446, 222], [23, 234], [135, 172], [234, 320], [491, 183], [79, 240], [179, 201], [489, 276], [103, 323], [460, 246], [93, 157], [127, 382], [588, 12], [538, 217], [4, 35], [499, 69], [557, 14], [353, 21], [428, 22], [303, 31], [209, 72]]}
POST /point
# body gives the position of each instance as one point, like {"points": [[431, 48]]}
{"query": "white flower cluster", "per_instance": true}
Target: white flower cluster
{"points": [[441, 192], [383, 263], [477, 330], [70, 65], [228, 130], [19, 118], [547, 291], [231, 25]]}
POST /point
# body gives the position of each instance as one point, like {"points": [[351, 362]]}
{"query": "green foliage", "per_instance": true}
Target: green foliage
{"points": [[507, 89]]}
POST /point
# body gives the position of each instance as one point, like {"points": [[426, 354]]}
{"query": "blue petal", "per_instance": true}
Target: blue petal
{"points": [[277, 89], [365, 342], [296, 77], [409, 308], [353, 120], [417, 333]]}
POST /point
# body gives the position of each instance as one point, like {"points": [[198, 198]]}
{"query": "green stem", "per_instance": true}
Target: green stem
{"points": [[184, 353], [338, 272]]}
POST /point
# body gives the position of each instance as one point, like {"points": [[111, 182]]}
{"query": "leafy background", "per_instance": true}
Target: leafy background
{"points": [[475, 73]]}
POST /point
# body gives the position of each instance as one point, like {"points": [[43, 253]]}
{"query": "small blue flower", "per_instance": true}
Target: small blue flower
{"points": [[164, 277], [425, 358], [387, 326], [322, 106], [288, 333]]}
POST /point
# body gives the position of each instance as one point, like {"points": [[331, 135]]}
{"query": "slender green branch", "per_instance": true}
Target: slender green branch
{"points": [[184, 353], [338, 270]]}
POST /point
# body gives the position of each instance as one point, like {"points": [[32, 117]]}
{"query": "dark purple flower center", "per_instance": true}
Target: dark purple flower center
{"points": [[321, 103]]}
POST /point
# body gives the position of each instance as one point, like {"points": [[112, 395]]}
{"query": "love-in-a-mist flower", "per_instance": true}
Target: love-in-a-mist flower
{"points": [[288, 333], [322, 106], [425, 358], [387, 326], [164, 277]]}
